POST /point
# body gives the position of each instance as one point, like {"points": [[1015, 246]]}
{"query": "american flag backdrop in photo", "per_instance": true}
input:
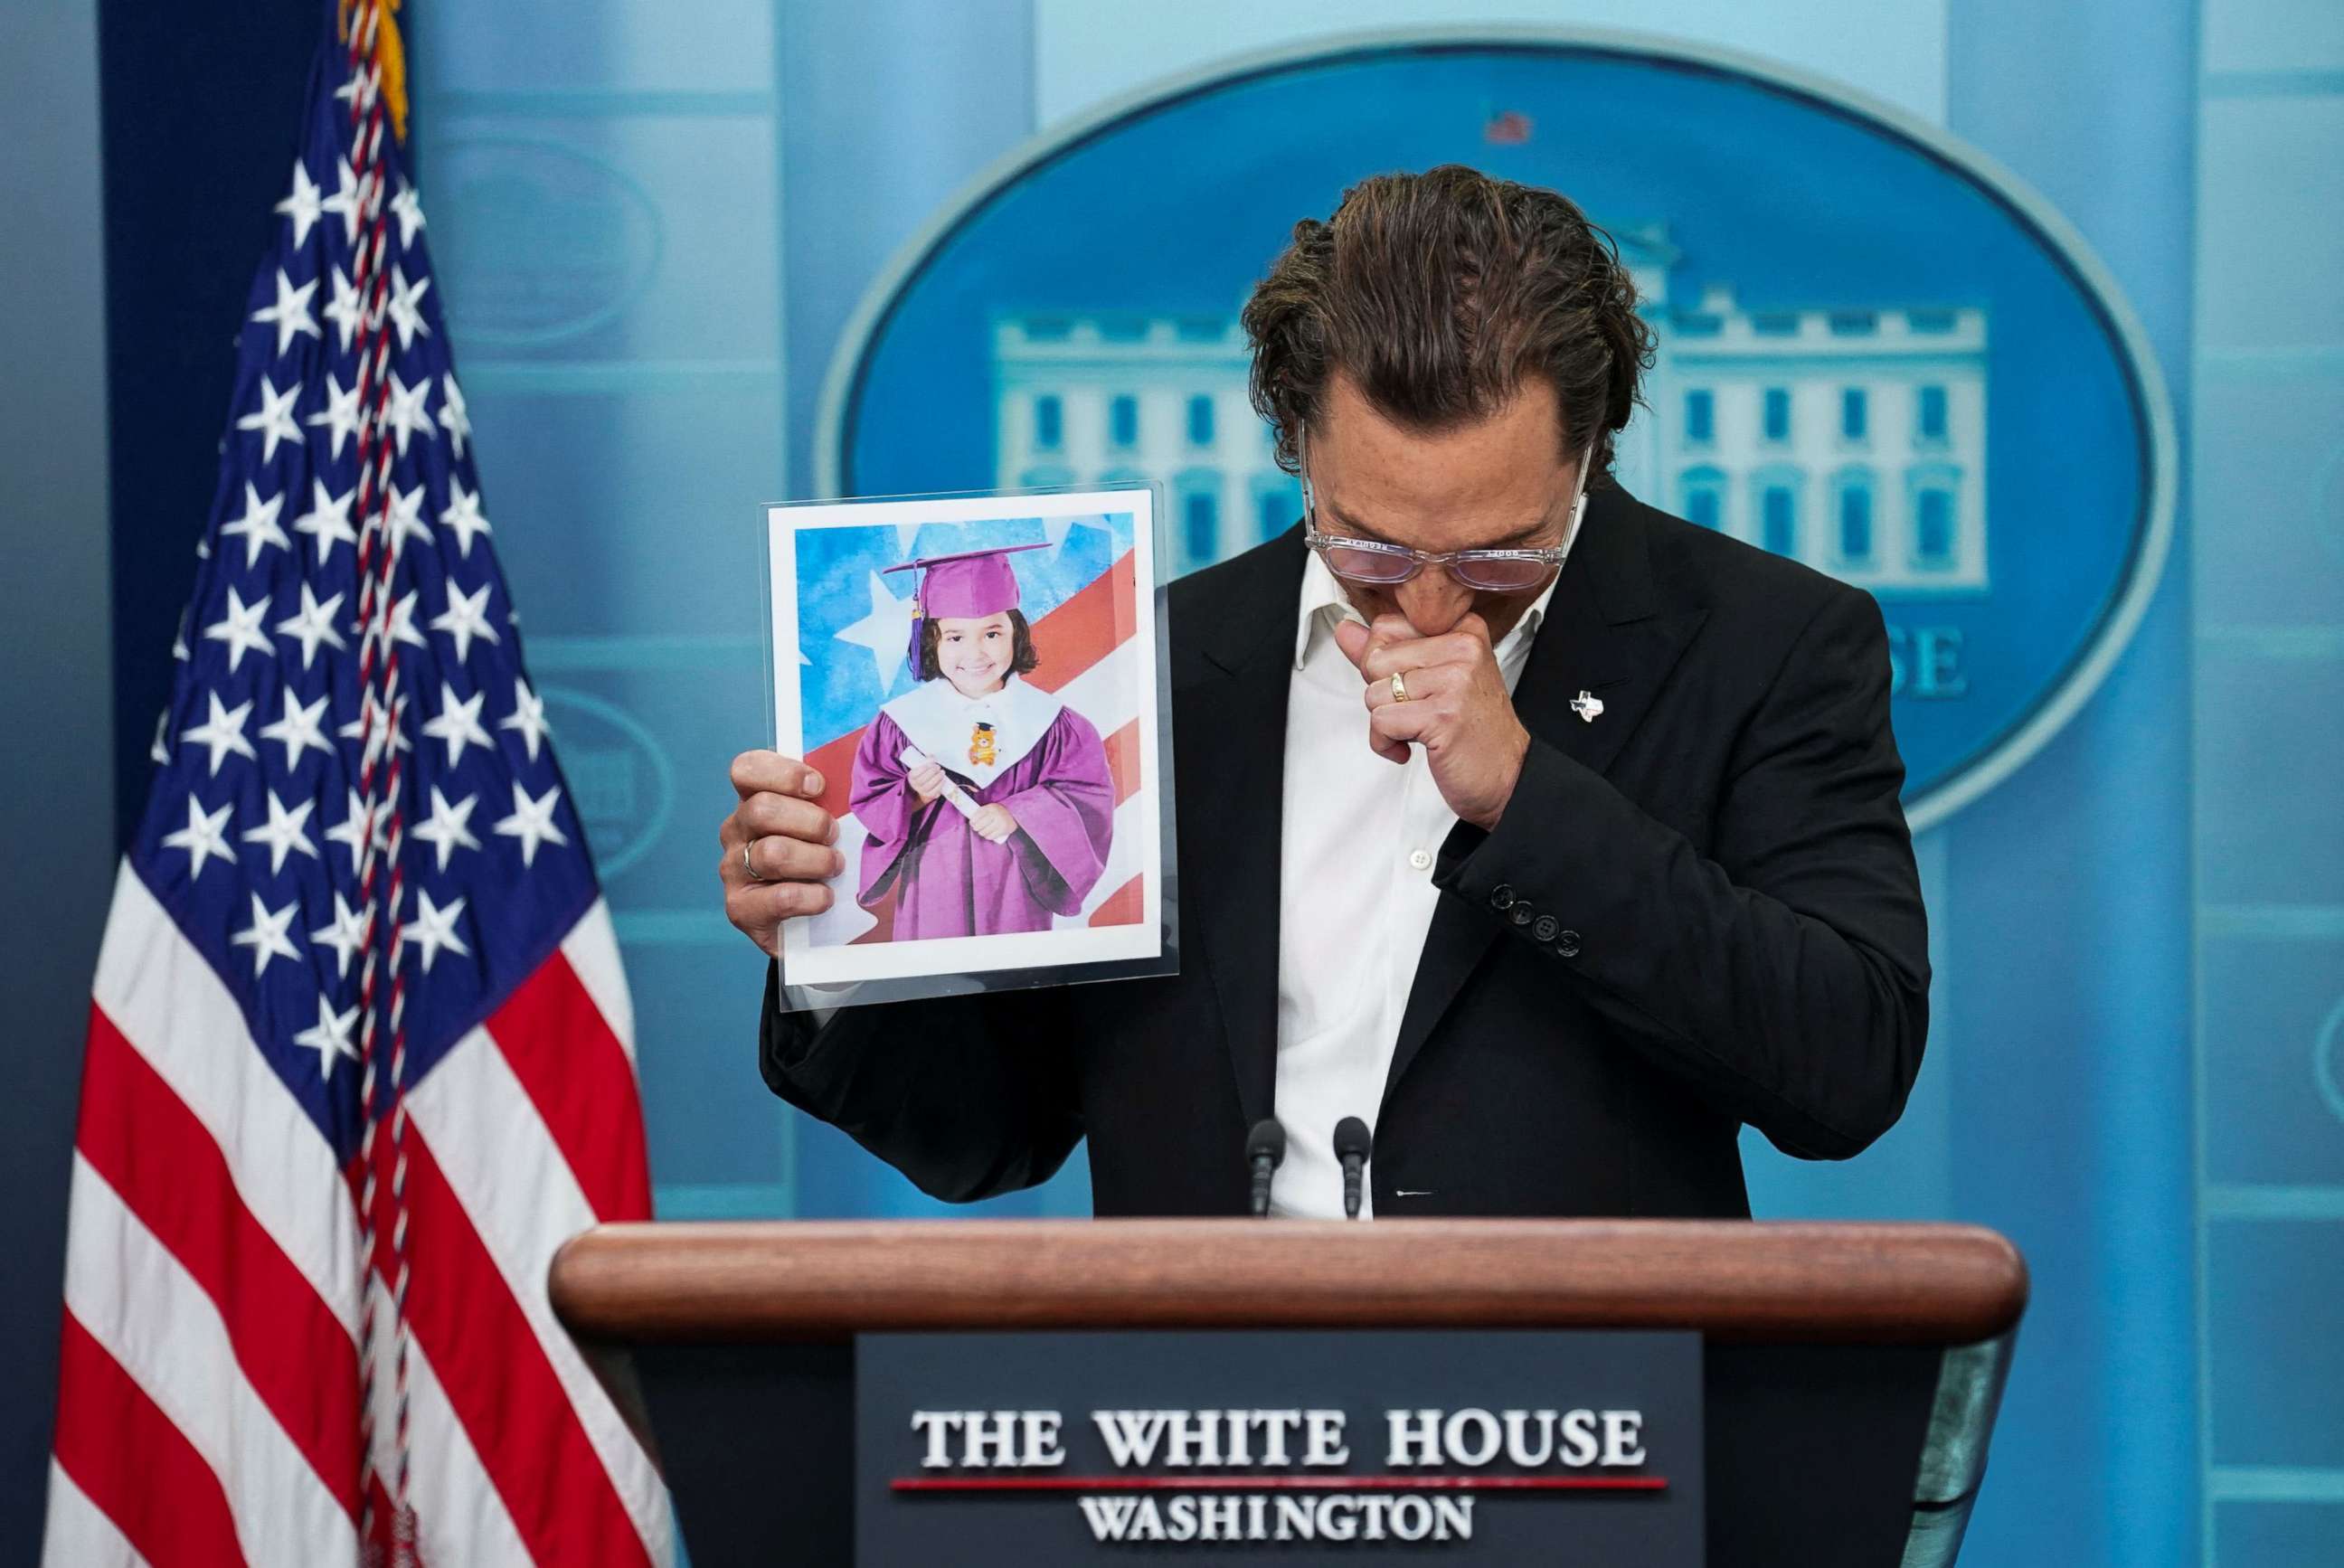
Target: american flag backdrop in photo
{"points": [[359, 1001]]}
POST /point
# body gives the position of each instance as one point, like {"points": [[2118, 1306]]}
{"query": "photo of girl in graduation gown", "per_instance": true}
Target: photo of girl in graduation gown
{"points": [[987, 803]]}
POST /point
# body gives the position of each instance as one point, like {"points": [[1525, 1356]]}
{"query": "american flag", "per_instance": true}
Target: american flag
{"points": [[360, 1054]]}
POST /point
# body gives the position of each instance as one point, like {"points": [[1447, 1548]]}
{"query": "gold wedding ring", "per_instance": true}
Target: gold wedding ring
{"points": [[1399, 688]]}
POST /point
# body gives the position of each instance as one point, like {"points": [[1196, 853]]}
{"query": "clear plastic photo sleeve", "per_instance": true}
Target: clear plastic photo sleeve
{"points": [[982, 683]]}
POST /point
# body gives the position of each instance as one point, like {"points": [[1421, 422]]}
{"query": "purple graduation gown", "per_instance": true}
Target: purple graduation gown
{"points": [[948, 881]]}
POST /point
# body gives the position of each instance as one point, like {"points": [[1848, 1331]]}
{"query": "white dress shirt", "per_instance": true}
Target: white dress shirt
{"points": [[1356, 897]]}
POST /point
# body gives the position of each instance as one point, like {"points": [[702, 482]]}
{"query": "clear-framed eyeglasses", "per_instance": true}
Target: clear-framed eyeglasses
{"points": [[1380, 564]]}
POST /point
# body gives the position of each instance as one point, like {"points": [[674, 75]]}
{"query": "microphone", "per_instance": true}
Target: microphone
{"points": [[1265, 1152], [1352, 1146]]}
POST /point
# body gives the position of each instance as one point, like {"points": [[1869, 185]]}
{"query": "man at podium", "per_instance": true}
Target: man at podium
{"points": [[1550, 836]]}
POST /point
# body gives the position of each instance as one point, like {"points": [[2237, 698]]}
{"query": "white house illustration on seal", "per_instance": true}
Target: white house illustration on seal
{"points": [[1851, 437]]}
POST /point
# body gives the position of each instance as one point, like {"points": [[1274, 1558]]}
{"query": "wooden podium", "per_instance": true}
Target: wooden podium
{"points": [[1850, 1371]]}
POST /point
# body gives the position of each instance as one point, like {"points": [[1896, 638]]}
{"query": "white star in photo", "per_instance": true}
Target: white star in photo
{"points": [[330, 1036], [301, 205], [223, 731], [886, 631], [205, 838], [432, 929], [458, 724], [313, 625], [274, 417], [159, 752], [907, 536], [528, 717], [405, 415], [1056, 529], [346, 201], [353, 86], [453, 419], [466, 617], [406, 515], [409, 210], [531, 822], [257, 527], [242, 629], [462, 514], [404, 299], [340, 416], [448, 828], [348, 315], [299, 728], [179, 637], [290, 314], [346, 935], [351, 833], [285, 832]]}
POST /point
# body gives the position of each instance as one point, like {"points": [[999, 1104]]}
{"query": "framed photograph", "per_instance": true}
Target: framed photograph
{"points": [[980, 681]]}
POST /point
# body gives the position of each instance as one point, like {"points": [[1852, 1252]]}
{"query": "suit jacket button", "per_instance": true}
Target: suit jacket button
{"points": [[1546, 927], [1501, 897], [1520, 913], [1568, 945]]}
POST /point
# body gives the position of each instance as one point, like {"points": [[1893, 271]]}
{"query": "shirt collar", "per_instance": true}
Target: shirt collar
{"points": [[1325, 604]]}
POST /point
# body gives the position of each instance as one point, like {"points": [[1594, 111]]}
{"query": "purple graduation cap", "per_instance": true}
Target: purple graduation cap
{"points": [[973, 583]]}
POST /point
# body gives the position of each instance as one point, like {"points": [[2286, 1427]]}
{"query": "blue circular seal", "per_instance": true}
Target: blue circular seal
{"points": [[1879, 353]]}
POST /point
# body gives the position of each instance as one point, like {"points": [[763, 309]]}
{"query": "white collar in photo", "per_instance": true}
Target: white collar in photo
{"points": [[939, 721]]}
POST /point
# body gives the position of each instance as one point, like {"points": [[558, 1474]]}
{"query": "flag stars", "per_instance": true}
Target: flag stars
{"points": [[405, 313], [369, 728], [313, 625], [223, 731], [432, 929], [406, 516], [330, 1036], [531, 822], [346, 935], [350, 833], [458, 724], [291, 315], [285, 832], [205, 838], [266, 936], [328, 518], [405, 207], [406, 415], [257, 527], [348, 315], [447, 829], [466, 617], [340, 418], [240, 629], [348, 201], [274, 417], [528, 717], [299, 728], [301, 205], [453, 419], [462, 514]]}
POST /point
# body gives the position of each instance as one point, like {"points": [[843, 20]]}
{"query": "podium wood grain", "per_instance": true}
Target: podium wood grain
{"points": [[825, 1281]]}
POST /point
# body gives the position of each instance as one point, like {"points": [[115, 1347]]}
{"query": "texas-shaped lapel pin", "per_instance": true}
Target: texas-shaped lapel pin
{"points": [[1589, 708]]}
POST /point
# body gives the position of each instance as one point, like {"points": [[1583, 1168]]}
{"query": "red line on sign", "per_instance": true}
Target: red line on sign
{"points": [[1280, 1483]]}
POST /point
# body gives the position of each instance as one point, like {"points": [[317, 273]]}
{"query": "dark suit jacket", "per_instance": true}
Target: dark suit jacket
{"points": [[1697, 910]]}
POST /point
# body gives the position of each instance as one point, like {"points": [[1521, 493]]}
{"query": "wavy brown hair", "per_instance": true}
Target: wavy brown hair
{"points": [[1022, 658], [1437, 293]]}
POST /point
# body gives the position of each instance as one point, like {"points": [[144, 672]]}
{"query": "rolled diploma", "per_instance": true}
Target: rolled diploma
{"points": [[912, 757]]}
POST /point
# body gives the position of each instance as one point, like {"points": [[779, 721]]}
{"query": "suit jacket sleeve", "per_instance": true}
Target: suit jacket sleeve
{"points": [[970, 1097], [1785, 975]]}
